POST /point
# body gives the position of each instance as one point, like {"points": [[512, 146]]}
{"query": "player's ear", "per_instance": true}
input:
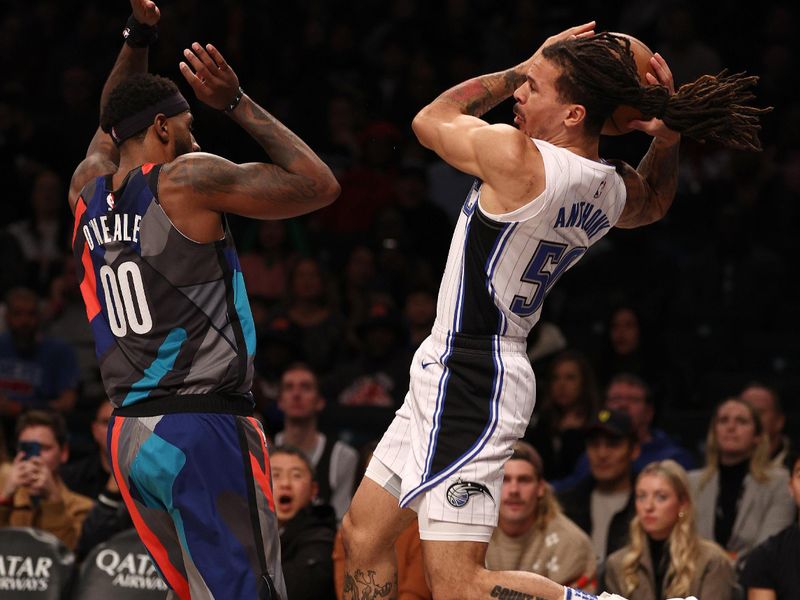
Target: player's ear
{"points": [[161, 128], [576, 115]]}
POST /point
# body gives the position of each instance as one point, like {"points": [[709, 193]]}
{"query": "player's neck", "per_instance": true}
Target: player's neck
{"points": [[134, 154]]}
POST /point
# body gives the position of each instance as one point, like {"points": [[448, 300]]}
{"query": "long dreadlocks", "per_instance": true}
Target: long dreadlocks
{"points": [[600, 73]]}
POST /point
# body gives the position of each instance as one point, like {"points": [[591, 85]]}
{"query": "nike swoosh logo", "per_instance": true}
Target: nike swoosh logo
{"points": [[426, 365]]}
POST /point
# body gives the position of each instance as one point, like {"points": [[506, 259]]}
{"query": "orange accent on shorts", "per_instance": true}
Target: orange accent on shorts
{"points": [[80, 208], [176, 581], [147, 167], [89, 285], [262, 476]]}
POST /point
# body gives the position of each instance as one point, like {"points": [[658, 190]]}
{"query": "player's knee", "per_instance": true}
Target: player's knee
{"points": [[359, 538]]}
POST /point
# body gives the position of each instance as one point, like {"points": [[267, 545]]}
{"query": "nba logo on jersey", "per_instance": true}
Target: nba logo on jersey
{"points": [[110, 201], [472, 198]]}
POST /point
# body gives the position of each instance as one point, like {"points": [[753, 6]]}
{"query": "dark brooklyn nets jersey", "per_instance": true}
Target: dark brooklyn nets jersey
{"points": [[169, 315]]}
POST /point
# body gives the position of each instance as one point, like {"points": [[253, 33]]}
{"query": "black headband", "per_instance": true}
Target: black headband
{"points": [[132, 125]]}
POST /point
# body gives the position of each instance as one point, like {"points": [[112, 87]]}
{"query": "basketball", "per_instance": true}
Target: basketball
{"points": [[615, 124]]}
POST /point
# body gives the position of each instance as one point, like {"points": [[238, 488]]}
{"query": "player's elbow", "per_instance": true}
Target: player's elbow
{"points": [[330, 191], [423, 128]]}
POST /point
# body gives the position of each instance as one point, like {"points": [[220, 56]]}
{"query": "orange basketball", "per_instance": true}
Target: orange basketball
{"points": [[615, 124]]}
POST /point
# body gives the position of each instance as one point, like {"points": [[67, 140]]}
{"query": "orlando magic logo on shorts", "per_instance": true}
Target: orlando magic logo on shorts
{"points": [[459, 493]]}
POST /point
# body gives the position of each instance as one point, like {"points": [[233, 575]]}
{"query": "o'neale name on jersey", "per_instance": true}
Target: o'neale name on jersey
{"points": [[116, 227], [583, 215]]}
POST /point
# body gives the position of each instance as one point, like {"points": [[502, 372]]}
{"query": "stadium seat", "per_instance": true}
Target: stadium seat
{"points": [[34, 564], [120, 569]]}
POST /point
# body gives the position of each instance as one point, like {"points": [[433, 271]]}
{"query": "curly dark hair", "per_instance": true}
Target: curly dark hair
{"points": [[134, 94], [600, 73]]}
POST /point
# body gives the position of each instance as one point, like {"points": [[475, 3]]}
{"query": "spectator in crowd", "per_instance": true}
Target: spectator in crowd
{"points": [[665, 557], [533, 534], [569, 401], [419, 312], [33, 494], [5, 462], [334, 462], [266, 267], [411, 583], [770, 572], [630, 394], [306, 530], [43, 237], [740, 498], [767, 403], [369, 388], [312, 315], [602, 504], [35, 371], [89, 475]]}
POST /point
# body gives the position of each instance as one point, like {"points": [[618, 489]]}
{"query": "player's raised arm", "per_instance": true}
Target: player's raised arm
{"points": [[102, 156], [451, 125], [297, 182]]}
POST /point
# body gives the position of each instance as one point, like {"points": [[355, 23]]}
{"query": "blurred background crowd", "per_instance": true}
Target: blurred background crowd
{"points": [[698, 306]]}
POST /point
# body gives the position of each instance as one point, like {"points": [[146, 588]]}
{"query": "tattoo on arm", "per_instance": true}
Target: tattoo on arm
{"points": [[479, 95], [659, 168], [362, 586]]}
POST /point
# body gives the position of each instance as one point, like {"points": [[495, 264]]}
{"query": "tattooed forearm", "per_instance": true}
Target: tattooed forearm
{"points": [[659, 168], [362, 586], [277, 140], [479, 95]]}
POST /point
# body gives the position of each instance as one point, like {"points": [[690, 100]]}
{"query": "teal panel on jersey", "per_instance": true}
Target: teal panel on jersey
{"points": [[163, 363], [243, 310]]}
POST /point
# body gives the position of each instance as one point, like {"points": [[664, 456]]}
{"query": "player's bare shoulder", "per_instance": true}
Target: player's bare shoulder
{"points": [[200, 173]]}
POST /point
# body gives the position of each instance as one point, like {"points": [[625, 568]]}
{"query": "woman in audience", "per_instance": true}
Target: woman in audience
{"points": [[570, 398], [665, 557], [740, 499]]}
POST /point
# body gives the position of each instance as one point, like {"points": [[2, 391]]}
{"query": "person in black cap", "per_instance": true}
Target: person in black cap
{"points": [[602, 504]]}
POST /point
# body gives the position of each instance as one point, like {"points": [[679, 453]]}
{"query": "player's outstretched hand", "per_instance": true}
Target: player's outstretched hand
{"points": [[211, 78], [656, 127], [146, 12]]}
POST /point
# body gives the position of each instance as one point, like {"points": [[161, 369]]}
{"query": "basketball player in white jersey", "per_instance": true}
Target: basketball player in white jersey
{"points": [[542, 196]]}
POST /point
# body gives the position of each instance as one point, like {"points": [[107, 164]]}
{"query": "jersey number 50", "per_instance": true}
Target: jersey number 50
{"points": [[126, 303], [547, 254]]}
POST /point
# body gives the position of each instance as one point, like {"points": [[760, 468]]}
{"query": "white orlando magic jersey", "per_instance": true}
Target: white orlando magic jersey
{"points": [[501, 267]]}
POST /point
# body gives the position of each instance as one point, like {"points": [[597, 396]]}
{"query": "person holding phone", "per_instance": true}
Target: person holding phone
{"points": [[32, 493]]}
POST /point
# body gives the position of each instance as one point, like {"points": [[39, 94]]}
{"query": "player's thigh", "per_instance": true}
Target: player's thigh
{"points": [[374, 518]]}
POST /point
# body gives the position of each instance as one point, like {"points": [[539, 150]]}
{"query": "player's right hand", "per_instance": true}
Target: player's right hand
{"points": [[146, 12]]}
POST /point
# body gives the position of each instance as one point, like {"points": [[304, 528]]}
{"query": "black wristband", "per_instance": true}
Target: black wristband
{"points": [[139, 35], [235, 102]]}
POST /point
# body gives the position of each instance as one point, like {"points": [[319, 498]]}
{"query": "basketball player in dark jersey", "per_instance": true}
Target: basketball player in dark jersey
{"points": [[166, 300]]}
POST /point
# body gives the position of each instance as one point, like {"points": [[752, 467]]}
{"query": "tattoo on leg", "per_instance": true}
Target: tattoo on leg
{"points": [[362, 586], [502, 593]]}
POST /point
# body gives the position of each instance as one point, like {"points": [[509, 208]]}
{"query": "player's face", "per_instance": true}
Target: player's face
{"points": [[52, 453], [292, 485], [610, 457], [299, 396], [657, 505], [631, 399], [565, 384], [735, 430], [794, 482], [521, 491], [182, 131], [539, 112]]}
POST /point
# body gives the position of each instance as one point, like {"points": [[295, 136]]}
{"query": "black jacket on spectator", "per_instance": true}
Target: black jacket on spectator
{"points": [[577, 504], [85, 476], [108, 517], [306, 554]]}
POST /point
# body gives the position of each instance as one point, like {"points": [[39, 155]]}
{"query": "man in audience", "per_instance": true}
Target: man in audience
{"points": [[334, 461], [631, 394], [33, 494], [306, 530], [770, 570], [602, 504], [35, 371], [767, 403], [533, 534]]}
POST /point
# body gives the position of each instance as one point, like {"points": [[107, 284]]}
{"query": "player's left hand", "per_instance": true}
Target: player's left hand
{"points": [[656, 127], [212, 79]]}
